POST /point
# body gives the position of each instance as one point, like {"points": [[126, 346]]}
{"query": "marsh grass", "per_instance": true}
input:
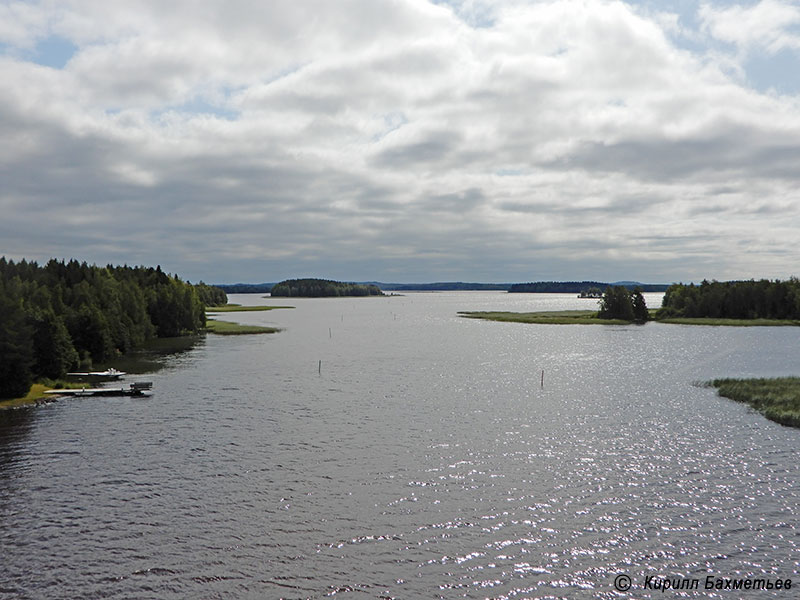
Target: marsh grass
{"points": [[589, 317], [559, 317], [778, 399], [228, 328]]}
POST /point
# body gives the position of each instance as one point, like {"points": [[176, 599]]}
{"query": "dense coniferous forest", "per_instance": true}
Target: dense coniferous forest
{"points": [[752, 299], [246, 288], [441, 286], [63, 315], [319, 288], [620, 303]]}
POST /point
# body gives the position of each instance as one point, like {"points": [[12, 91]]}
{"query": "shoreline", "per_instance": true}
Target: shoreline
{"points": [[36, 395], [776, 398], [231, 328], [240, 308], [557, 317], [589, 317]]}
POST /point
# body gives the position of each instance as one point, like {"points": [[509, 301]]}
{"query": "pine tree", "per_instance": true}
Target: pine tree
{"points": [[16, 349], [639, 306]]}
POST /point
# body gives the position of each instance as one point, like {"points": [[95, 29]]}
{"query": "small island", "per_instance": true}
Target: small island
{"points": [[751, 303], [322, 288], [554, 317], [239, 308], [230, 328], [618, 306]]}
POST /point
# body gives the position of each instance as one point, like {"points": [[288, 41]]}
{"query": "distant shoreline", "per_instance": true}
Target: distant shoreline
{"points": [[541, 287], [589, 317]]}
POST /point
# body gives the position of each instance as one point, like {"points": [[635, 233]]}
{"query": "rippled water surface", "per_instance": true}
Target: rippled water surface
{"points": [[387, 448]]}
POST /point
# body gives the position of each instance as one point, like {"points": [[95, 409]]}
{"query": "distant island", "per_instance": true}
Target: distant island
{"points": [[443, 286], [322, 288], [246, 288]]}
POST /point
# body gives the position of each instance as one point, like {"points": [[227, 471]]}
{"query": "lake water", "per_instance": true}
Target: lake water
{"points": [[387, 448]]}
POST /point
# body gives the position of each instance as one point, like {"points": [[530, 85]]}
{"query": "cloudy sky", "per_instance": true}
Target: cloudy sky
{"points": [[404, 140]]}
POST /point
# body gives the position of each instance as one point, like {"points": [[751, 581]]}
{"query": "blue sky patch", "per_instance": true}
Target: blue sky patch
{"points": [[53, 51]]}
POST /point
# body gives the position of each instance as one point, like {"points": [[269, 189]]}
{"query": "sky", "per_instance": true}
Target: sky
{"points": [[404, 140]]}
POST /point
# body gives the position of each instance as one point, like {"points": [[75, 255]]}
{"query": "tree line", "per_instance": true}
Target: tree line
{"points": [[65, 315], [319, 288], [763, 299], [618, 302]]}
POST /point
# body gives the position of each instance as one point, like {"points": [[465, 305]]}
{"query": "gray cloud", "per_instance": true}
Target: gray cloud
{"points": [[403, 140]]}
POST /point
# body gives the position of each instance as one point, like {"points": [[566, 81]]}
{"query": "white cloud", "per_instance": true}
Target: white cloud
{"points": [[356, 138], [21, 23], [769, 25]]}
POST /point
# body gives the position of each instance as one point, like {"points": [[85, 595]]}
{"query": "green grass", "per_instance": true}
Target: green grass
{"points": [[729, 322], [37, 393], [240, 308], [589, 317], [560, 317], [228, 328], [777, 399]]}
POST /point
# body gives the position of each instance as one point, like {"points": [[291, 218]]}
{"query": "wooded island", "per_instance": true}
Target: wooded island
{"points": [[323, 288], [740, 303]]}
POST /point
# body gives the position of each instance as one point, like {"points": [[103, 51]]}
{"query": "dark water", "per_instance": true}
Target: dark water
{"points": [[424, 461]]}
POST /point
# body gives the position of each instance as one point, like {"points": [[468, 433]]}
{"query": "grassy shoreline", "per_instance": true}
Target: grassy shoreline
{"points": [[557, 317], [778, 399], [589, 317], [37, 393], [229, 328], [240, 308]]}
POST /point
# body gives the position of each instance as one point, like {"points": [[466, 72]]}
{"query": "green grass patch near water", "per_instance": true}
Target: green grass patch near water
{"points": [[228, 328], [37, 393], [240, 308], [589, 317], [559, 317], [778, 399]]}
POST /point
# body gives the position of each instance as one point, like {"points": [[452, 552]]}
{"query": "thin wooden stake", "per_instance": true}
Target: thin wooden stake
{"points": [[319, 370], [543, 378]]}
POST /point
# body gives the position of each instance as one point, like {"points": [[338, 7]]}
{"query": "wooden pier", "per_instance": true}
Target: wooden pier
{"points": [[138, 388]]}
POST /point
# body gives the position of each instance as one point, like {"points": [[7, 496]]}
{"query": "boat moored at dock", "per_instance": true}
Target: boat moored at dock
{"points": [[138, 388]]}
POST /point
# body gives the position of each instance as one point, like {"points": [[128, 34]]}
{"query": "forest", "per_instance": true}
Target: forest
{"points": [[63, 315], [763, 299], [620, 303], [320, 288]]}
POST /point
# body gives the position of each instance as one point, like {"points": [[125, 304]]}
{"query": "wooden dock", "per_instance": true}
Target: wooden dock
{"points": [[139, 388]]}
